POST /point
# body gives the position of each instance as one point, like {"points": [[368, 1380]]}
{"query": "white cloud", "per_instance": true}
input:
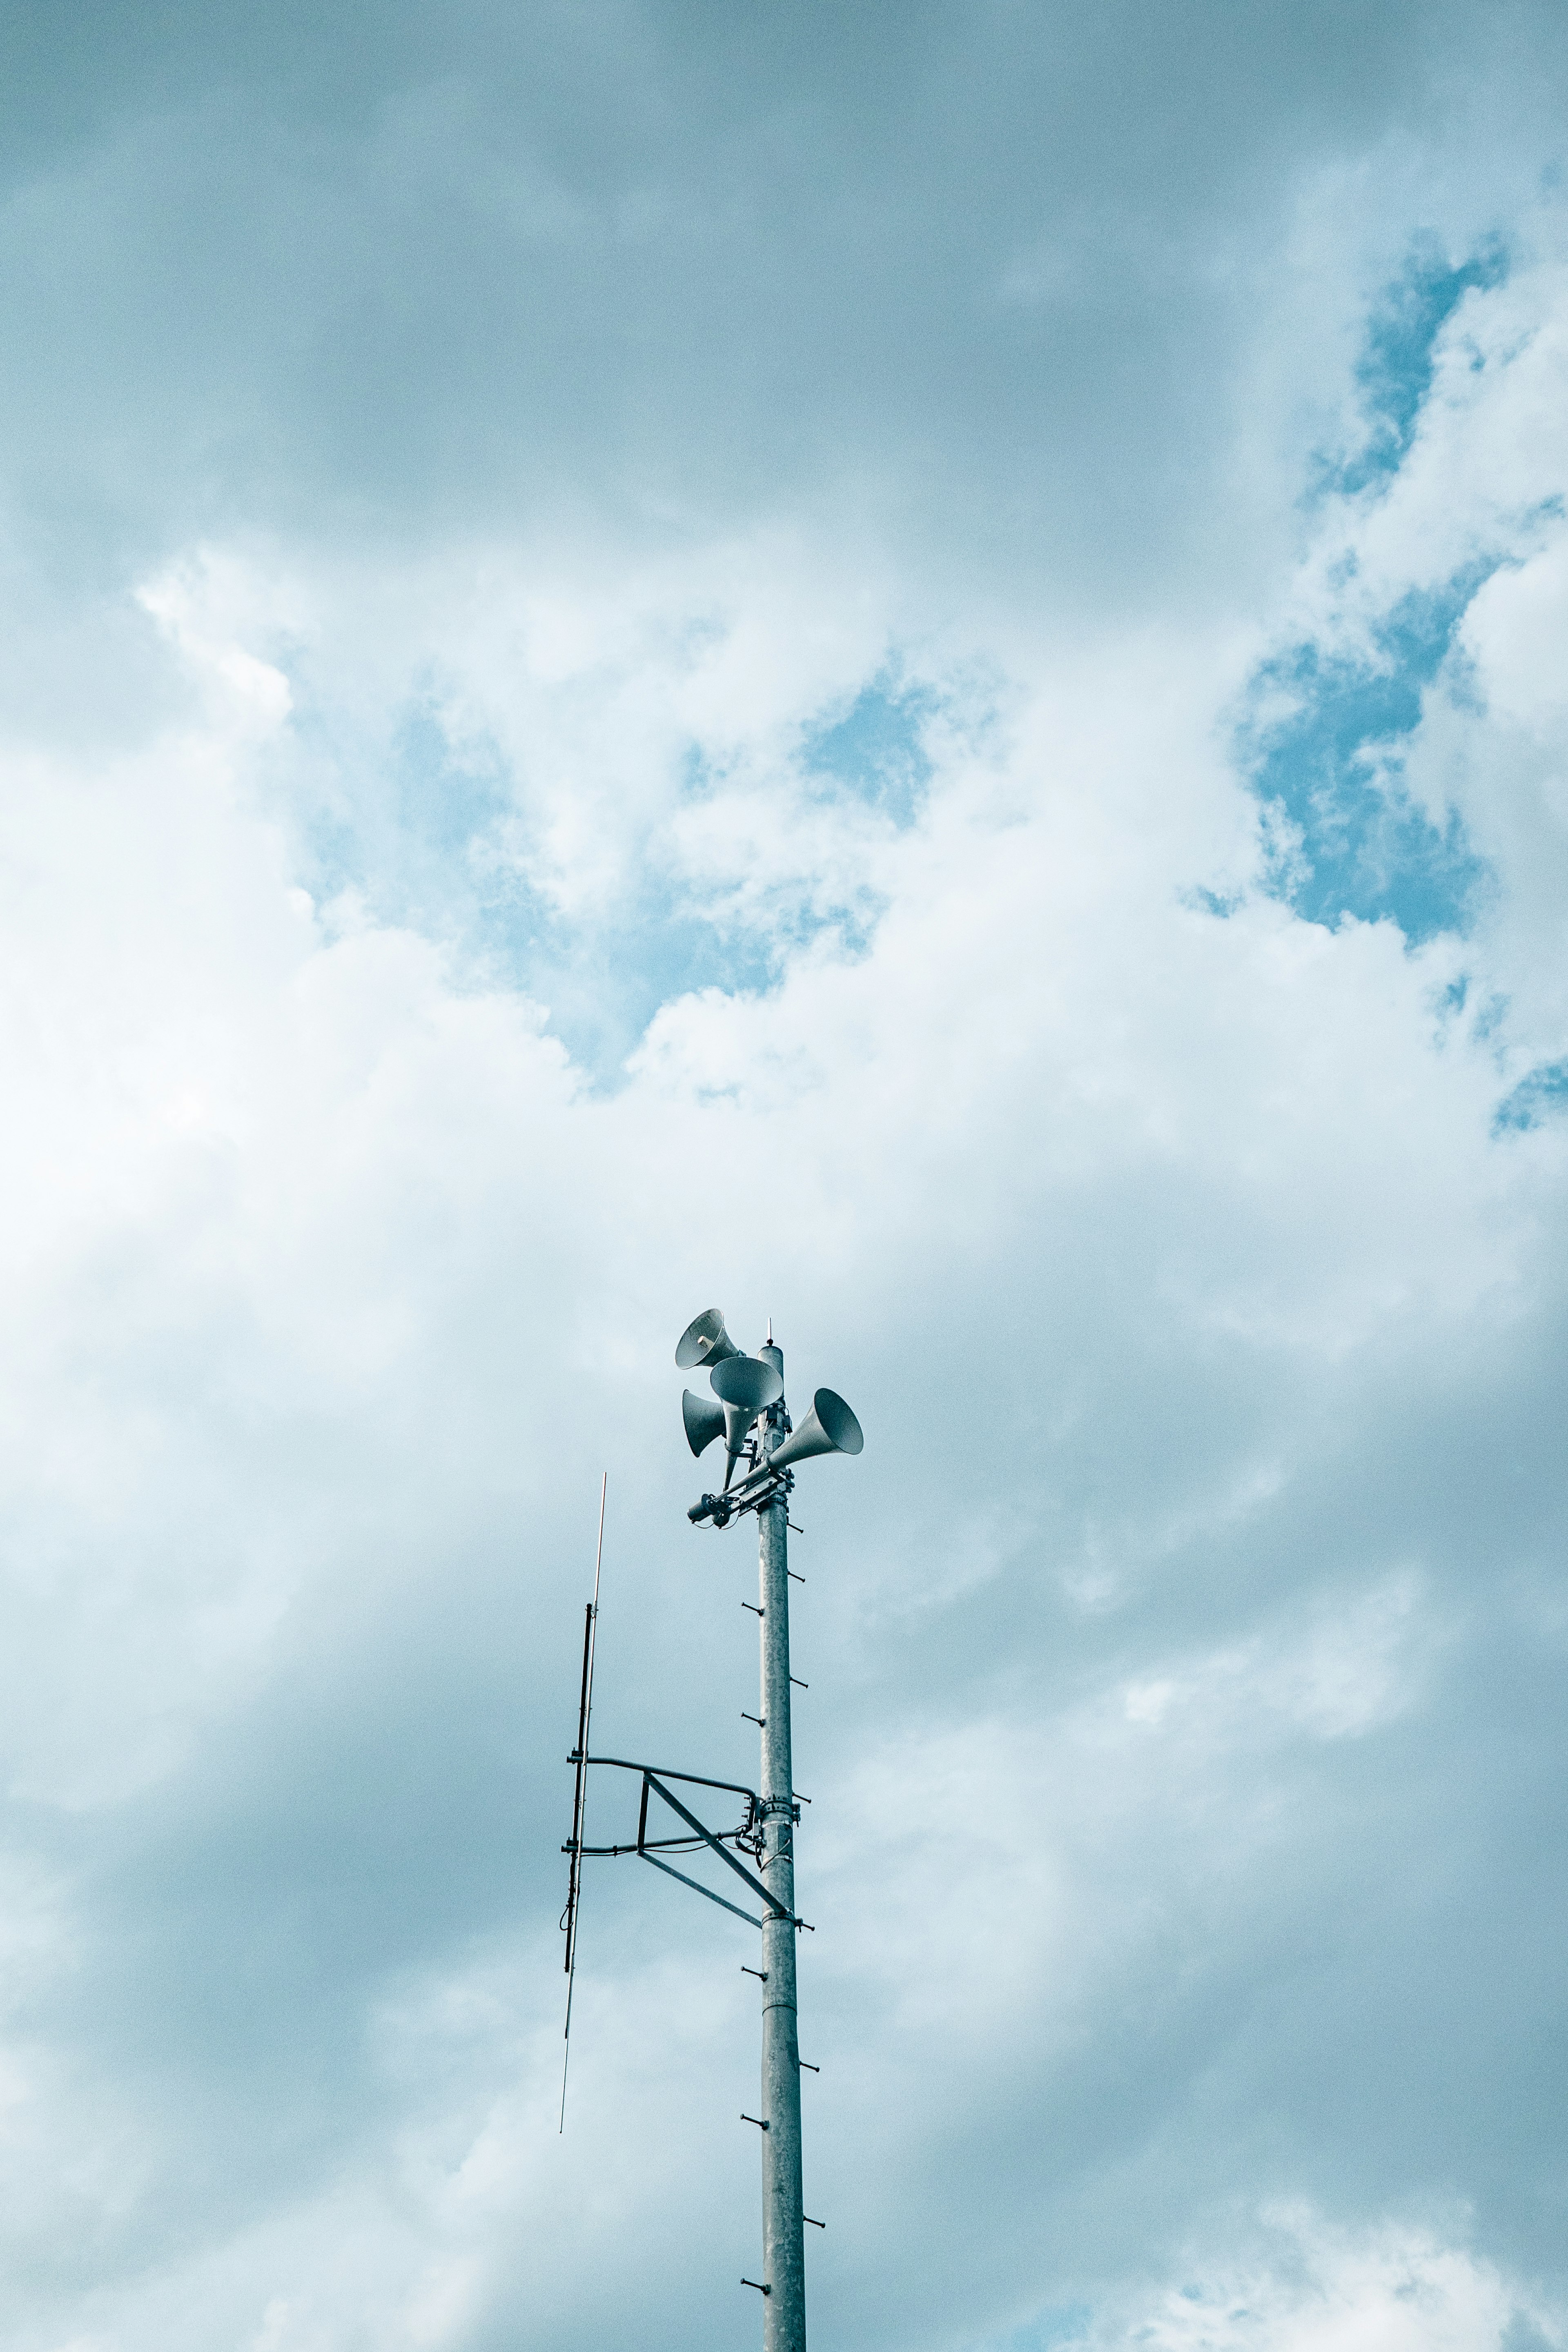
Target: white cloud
{"points": [[1393, 2289], [1165, 1646], [344, 1284]]}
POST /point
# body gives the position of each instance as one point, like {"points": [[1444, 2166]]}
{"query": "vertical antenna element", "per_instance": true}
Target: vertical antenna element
{"points": [[580, 1791]]}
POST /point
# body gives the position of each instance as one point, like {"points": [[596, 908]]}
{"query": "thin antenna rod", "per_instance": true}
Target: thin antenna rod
{"points": [[580, 1791]]}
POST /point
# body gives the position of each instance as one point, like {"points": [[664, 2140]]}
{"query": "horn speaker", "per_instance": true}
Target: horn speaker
{"points": [[829, 1428], [704, 1420], [706, 1341], [744, 1385]]}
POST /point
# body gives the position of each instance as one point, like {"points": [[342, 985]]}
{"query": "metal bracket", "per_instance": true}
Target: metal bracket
{"points": [[756, 1492], [654, 1777]]}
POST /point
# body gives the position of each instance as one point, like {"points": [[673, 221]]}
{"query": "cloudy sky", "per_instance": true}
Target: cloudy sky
{"points": [[905, 668]]}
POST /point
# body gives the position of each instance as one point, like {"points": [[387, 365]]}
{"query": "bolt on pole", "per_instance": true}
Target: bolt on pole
{"points": [[784, 2227]]}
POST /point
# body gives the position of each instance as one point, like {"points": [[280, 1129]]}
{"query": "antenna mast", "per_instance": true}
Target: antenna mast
{"points": [[747, 1409], [783, 2207], [580, 1791]]}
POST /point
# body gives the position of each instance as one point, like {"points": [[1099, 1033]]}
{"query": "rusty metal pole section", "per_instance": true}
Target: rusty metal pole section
{"points": [[761, 1448]]}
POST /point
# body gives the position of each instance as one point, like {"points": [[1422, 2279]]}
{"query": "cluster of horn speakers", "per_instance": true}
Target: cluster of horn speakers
{"points": [[746, 1386]]}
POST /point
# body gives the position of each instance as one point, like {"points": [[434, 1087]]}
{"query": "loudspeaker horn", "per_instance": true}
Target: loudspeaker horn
{"points": [[829, 1428], [703, 1421], [744, 1384], [705, 1341]]}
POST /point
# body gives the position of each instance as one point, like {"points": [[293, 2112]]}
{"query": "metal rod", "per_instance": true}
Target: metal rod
{"points": [[663, 1772], [675, 1845], [580, 1792], [749, 1916], [784, 2231], [575, 1844]]}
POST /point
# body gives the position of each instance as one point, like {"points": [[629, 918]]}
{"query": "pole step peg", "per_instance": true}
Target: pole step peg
{"points": [[815, 2222], [798, 1683], [760, 1720], [797, 1531], [754, 2119], [758, 2285], [754, 1608], [761, 1974], [803, 2062], [790, 1571]]}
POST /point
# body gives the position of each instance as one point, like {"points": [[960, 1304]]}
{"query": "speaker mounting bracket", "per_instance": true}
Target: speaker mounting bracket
{"points": [[753, 1496]]}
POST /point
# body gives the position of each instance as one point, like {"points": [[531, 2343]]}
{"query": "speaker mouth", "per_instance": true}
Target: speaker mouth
{"points": [[747, 1381], [838, 1421], [704, 1421], [704, 1342]]}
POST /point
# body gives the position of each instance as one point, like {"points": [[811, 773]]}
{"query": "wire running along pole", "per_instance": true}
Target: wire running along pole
{"points": [[580, 1791]]}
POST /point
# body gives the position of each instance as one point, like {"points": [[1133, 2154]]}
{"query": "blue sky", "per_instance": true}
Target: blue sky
{"points": [[903, 671]]}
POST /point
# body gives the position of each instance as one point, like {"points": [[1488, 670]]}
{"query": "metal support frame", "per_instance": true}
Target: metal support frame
{"points": [[654, 1777], [767, 1834]]}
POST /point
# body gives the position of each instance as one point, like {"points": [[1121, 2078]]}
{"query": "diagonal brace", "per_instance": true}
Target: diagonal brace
{"points": [[650, 1781], [750, 1916]]}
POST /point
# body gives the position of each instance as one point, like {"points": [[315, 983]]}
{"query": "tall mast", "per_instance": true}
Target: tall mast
{"points": [[784, 2229]]}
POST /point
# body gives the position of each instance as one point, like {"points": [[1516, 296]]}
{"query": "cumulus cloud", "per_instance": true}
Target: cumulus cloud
{"points": [[492, 870], [1393, 2287]]}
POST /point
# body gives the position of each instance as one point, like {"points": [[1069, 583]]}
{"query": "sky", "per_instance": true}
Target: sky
{"points": [[904, 670]]}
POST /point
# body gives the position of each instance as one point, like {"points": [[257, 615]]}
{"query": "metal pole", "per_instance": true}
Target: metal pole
{"points": [[580, 1791], [783, 2253]]}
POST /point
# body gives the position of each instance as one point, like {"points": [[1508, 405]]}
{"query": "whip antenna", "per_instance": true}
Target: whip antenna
{"points": [[580, 1791]]}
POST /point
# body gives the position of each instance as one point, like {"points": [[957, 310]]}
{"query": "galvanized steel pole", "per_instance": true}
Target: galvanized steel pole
{"points": [[784, 2230]]}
